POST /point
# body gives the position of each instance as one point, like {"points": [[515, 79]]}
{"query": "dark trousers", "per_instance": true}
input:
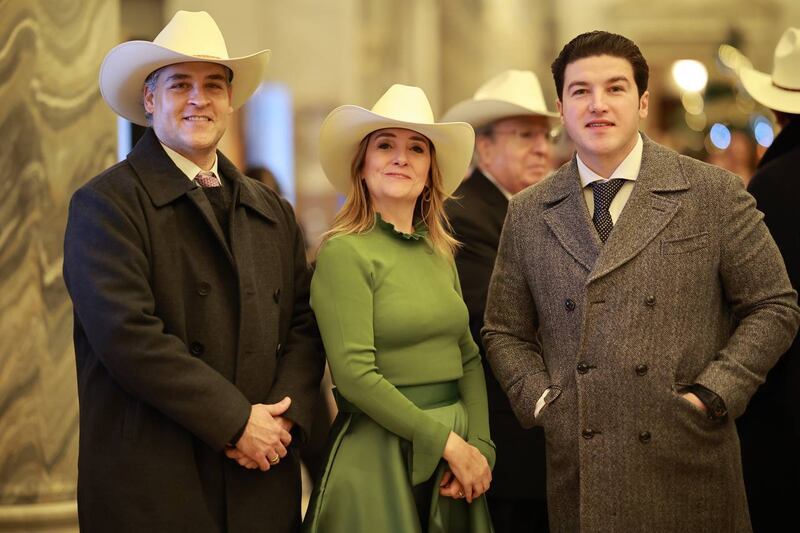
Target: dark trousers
{"points": [[518, 516], [771, 466]]}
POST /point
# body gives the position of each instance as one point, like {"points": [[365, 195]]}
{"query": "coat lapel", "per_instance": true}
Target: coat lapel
{"points": [[648, 210], [165, 183], [568, 217]]}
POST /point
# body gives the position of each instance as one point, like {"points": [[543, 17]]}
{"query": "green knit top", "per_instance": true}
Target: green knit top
{"points": [[390, 313]]}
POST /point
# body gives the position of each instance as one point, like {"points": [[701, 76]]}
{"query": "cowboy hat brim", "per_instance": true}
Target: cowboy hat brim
{"points": [[759, 85], [127, 65], [346, 126], [482, 112]]}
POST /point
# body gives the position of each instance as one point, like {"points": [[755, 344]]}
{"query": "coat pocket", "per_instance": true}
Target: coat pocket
{"points": [[683, 245], [554, 391], [689, 413]]}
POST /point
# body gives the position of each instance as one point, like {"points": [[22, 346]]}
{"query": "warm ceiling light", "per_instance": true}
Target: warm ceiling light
{"points": [[690, 75]]}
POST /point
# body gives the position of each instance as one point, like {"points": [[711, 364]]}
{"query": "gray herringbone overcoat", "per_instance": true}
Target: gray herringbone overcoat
{"points": [[689, 288]]}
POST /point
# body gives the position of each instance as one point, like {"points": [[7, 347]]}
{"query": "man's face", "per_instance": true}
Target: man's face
{"points": [[600, 108], [517, 153], [191, 106]]}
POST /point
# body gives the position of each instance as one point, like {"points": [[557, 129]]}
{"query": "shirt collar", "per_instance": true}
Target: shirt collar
{"points": [[628, 169], [188, 167], [500, 188]]}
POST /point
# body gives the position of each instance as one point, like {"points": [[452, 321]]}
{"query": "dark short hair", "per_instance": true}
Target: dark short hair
{"points": [[598, 43]]}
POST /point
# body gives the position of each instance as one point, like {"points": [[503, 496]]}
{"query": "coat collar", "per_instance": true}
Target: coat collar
{"points": [[786, 141], [481, 185], [165, 183], [647, 212]]}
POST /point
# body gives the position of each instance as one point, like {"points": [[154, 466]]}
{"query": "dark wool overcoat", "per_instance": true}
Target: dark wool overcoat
{"points": [[477, 214], [770, 428], [689, 288], [177, 333]]}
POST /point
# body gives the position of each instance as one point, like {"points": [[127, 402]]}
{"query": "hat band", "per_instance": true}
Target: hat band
{"points": [[797, 90]]}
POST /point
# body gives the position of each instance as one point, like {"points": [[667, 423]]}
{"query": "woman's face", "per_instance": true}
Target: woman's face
{"points": [[396, 166]]}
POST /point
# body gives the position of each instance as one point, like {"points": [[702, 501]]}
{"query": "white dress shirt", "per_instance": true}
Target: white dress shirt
{"points": [[188, 167], [628, 170]]}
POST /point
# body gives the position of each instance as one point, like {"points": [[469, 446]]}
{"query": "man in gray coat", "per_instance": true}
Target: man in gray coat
{"points": [[637, 303], [193, 335]]}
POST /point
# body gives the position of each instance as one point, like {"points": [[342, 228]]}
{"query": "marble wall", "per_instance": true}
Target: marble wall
{"points": [[57, 133]]}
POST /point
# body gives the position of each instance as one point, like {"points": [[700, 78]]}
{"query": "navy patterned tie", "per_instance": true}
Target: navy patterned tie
{"points": [[604, 192], [206, 178]]}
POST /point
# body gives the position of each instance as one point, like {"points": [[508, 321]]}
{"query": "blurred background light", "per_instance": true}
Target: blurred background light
{"points": [[732, 58], [690, 75], [696, 122], [692, 102], [763, 130], [720, 136]]}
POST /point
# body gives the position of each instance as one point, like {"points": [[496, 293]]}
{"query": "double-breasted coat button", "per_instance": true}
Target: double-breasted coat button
{"points": [[583, 367], [587, 434], [569, 305], [197, 348], [276, 295], [645, 437], [279, 350], [642, 369], [650, 300], [203, 288]]}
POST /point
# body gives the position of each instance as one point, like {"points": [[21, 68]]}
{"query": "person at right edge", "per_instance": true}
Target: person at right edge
{"points": [[512, 149], [637, 303], [769, 429]]}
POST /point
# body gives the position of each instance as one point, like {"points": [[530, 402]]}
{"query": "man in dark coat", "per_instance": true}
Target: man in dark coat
{"points": [[770, 428], [193, 335], [513, 151]]}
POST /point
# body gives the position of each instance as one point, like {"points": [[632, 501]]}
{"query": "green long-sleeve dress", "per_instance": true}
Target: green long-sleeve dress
{"points": [[407, 372]]}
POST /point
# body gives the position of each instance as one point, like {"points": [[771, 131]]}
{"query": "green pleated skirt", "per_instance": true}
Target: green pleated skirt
{"points": [[365, 483]]}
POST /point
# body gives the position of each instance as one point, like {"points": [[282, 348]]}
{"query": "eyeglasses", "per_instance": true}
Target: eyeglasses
{"points": [[529, 135]]}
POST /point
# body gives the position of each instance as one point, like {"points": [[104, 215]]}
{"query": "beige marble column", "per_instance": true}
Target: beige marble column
{"points": [[57, 133]]}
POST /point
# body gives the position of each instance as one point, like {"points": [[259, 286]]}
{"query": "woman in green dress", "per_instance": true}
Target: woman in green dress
{"points": [[410, 449]]}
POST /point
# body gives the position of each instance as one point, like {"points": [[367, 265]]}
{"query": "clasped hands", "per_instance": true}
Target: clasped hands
{"points": [[266, 436], [469, 475]]}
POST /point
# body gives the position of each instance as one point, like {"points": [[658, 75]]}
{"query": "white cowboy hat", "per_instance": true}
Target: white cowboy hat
{"points": [[781, 91], [189, 36], [402, 106], [509, 94]]}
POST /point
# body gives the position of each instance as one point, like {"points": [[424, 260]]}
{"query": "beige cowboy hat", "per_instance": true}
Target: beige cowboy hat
{"points": [[509, 94], [781, 90], [402, 106], [189, 36]]}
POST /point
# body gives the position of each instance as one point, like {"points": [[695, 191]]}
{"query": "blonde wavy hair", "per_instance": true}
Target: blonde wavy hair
{"points": [[358, 216]]}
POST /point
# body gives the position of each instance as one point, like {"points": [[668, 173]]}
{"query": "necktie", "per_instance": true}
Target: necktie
{"points": [[604, 192], [206, 178]]}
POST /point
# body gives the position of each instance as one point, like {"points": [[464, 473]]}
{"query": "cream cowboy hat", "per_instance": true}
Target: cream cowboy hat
{"points": [[402, 106], [510, 93], [189, 36], [781, 91]]}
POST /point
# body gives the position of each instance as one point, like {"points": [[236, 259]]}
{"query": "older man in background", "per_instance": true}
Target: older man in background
{"points": [[512, 151]]}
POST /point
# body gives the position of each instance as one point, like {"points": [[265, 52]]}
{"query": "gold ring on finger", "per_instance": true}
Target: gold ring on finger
{"points": [[274, 460], [460, 494]]}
